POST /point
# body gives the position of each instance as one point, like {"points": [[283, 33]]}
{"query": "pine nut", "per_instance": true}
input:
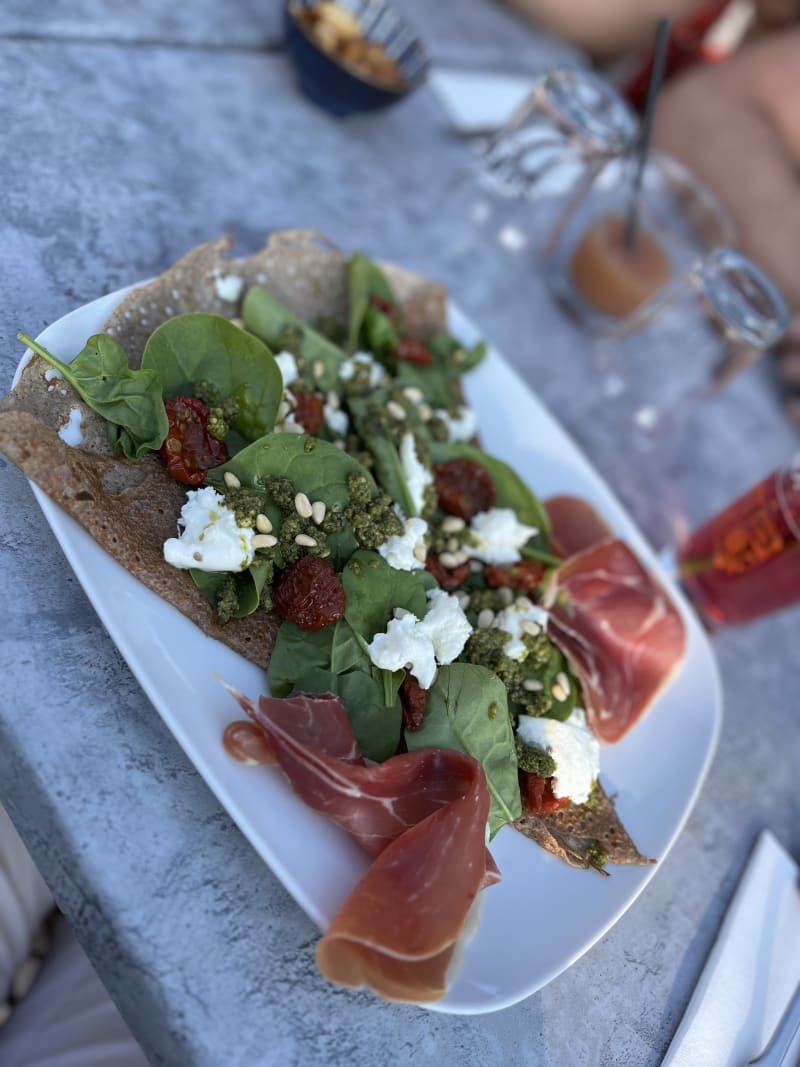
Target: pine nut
{"points": [[448, 560], [506, 596], [524, 603], [264, 540], [317, 369], [397, 411], [558, 693], [425, 412], [263, 525], [563, 681], [453, 544], [412, 393], [532, 685], [318, 510], [453, 524], [231, 480], [302, 505], [420, 553], [485, 619], [283, 411], [528, 626], [305, 541]]}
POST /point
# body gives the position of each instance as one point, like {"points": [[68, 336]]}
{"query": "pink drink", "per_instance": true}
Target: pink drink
{"points": [[745, 562]]}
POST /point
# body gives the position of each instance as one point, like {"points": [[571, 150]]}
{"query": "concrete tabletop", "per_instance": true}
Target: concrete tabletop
{"points": [[132, 133]]}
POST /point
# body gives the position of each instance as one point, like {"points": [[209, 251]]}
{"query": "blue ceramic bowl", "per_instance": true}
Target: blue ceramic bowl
{"points": [[340, 89]]}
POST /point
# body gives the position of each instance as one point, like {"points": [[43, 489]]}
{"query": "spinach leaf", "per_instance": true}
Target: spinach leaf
{"points": [[314, 467], [511, 491], [437, 386], [248, 586], [380, 336], [130, 401], [333, 660], [364, 279], [269, 319], [388, 468], [200, 347], [374, 589], [467, 709], [557, 663], [451, 354]]}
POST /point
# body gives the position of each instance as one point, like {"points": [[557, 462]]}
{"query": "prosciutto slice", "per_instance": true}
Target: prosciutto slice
{"points": [[574, 524], [620, 631], [421, 816]]}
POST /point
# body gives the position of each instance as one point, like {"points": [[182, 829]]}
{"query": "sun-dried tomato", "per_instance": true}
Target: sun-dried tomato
{"points": [[309, 594], [412, 699], [386, 306], [310, 411], [464, 487], [537, 795], [447, 577], [524, 576], [411, 351], [189, 450]]}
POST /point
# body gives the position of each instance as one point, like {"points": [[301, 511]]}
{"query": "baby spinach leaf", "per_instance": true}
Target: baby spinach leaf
{"points": [[451, 354], [379, 335], [467, 709], [332, 660], [248, 586], [269, 319], [199, 347], [438, 388], [314, 467], [364, 279], [556, 664], [388, 468], [511, 491], [374, 589], [130, 401]]}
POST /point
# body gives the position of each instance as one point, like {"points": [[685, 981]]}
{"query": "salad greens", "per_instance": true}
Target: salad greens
{"points": [[233, 364], [129, 400], [348, 494]]}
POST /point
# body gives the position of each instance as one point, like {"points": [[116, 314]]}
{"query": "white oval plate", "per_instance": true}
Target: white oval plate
{"points": [[655, 772]]}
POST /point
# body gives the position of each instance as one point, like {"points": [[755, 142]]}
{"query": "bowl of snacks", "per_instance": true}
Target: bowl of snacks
{"points": [[353, 55]]}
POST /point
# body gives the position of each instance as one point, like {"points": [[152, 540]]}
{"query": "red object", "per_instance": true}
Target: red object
{"points": [[524, 576], [574, 525], [620, 631], [309, 411], [420, 815], [310, 594], [746, 562], [685, 48], [386, 306], [538, 797], [447, 577], [410, 351], [413, 698], [464, 487], [189, 450]]}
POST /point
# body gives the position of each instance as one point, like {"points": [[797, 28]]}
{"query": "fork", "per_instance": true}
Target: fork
{"points": [[782, 1039]]}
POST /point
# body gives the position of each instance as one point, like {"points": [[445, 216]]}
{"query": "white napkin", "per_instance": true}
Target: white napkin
{"points": [[478, 101], [752, 971]]}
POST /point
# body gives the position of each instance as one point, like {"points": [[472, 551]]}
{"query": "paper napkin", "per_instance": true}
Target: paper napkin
{"points": [[753, 968]]}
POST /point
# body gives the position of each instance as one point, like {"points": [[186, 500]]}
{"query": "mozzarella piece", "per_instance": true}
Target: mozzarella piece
{"points": [[446, 625], [510, 620], [404, 645], [361, 359], [336, 420], [211, 540], [460, 427], [416, 474], [400, 550], [575, 750], [229, 287], [498, 536], [287, 365], [71, 432]]}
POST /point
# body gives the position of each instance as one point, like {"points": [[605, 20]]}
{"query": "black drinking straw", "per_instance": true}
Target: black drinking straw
{"points": [[656, 78]]}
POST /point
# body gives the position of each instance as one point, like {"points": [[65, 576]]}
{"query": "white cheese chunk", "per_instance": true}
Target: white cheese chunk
{"points": [[51, 374], [401, 550], [287, 365], [416, 474], [361, 359], [71, 432], [446, 625], [511, 619], [211, 540], [575, 751], [461, 426], [229, 287], [405, 645], [498, 536], [336, 420]]}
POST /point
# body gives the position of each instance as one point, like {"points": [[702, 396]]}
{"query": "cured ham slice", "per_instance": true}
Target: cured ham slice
{"points": [[420, 815], [620, 631], [574, 525]]}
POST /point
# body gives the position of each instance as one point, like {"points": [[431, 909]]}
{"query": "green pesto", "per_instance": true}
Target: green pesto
{"points": [[374, 520], [534, 760], [227, 600], [283, 493], [437, 428], [595, 856], [246, 505]]}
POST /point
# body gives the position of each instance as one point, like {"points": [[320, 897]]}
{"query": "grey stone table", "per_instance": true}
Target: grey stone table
{"points": [[129, 135]]}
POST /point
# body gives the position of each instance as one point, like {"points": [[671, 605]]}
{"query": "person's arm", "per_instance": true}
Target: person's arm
{"points": [[606, 29]]}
